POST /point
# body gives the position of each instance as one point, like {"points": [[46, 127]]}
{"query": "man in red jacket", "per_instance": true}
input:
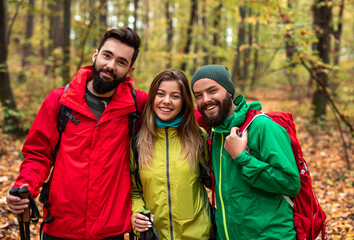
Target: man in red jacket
{"points": [[89, 196]]}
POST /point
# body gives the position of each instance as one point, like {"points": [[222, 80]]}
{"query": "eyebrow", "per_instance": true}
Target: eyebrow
{"points": [[121, 58], [172, 92], [208, 89]]}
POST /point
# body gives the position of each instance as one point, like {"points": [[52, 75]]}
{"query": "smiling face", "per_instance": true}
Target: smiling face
{"points": [[111, 65], [213, 101], [168, 100]]}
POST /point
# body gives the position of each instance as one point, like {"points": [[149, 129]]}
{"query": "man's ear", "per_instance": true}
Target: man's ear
{"points": [[94, 56], [130, 71]]}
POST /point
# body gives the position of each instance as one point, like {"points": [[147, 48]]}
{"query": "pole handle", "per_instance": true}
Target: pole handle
{"points": [[23, 192]]}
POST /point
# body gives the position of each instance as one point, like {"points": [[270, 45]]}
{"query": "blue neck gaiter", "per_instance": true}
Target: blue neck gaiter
{"points": [[172, 123]]}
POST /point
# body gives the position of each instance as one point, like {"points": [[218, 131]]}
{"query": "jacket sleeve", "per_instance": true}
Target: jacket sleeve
{"points": [[270, 166], [141, 98], [39, 145], [136, 196]]}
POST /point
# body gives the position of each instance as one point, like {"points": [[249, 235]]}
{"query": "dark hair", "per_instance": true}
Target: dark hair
{"points": [[124, 35]]}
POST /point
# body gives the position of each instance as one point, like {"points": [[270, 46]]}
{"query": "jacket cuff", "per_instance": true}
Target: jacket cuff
{"points": [[242, 158]]}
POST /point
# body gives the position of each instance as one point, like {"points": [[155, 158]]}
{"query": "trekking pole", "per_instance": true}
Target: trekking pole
{"points": [[23, 192], [15, 192], [147, 234]]}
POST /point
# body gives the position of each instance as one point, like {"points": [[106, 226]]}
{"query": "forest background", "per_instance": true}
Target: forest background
{"points": [[291, 55]]}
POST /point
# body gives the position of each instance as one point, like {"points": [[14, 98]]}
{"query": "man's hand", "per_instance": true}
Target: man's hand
{"points": [[234, 144], [16, 204]]}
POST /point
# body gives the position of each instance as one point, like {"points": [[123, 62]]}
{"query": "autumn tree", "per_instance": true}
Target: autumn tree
{"points": [[216, 26], [135, 14], [66, 42], [337, 33], [255, 56], [7, 99], [55, 36], [236, 70], [27, 47], [187, 46], [322, 20], [169, 31], [205, 32], [289, 48]]}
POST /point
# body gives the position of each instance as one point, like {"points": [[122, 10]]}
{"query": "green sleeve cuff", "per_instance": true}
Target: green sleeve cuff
{"points": [[242, 158]]}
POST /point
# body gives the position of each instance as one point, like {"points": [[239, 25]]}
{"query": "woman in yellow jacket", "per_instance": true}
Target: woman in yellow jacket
{"points": [[170, 146]]}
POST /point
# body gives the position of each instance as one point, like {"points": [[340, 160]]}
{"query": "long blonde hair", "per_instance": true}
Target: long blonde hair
{"points": [[188, 131]]}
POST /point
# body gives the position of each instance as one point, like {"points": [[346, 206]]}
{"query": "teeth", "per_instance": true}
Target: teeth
{"points": [[211, 107], [166, 109]]}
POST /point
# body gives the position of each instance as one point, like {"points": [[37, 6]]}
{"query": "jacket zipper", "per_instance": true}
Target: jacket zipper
{"points": [[168, 183], [220, 193]]}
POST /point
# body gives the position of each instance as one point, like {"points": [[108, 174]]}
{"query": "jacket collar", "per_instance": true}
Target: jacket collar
{"points": [[238, 116]]}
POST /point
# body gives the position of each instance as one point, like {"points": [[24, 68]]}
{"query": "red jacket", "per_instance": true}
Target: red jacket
{"points": [[90, 188]]}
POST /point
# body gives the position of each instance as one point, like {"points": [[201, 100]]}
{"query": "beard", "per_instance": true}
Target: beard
{"points": [[101, 85], [217, 119]]}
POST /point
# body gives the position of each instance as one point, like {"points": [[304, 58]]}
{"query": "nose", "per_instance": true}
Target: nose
{"points": [[110, 64], [166, 99], [206, 97]]}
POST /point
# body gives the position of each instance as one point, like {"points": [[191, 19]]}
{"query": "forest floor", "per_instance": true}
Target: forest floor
{"points": [[323, 150]]}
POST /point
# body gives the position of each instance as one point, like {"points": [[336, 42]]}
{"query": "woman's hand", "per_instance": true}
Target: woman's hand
{"points": [[141, 223]]}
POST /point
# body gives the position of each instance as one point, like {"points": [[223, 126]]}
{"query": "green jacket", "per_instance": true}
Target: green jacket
{"points": [[172, 192], [249, 188]]}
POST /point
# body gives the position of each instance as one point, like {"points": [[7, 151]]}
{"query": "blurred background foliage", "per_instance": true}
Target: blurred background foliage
{"points": [[303, 46]]}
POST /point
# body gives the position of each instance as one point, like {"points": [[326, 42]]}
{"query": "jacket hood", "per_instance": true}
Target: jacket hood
{"points": [[239, 114]]}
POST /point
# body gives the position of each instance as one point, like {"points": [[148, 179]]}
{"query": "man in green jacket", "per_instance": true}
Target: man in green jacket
{"points": [[252, 172]]}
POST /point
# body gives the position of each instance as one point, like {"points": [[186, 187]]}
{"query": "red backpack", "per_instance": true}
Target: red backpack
{"points": [[309, 218]]}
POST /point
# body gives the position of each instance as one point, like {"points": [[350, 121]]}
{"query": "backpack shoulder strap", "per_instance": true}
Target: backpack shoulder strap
{"points": [[250, 117], [64, 115], [211, 170], [204, 170], [63, 119], [133, 117]]}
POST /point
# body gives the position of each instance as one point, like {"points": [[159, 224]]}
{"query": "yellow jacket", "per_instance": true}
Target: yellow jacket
{"points": [[172, 192]]}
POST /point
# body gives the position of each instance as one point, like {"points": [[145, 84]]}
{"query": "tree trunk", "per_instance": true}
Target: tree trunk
{"points": [[103, 15], [255, 58], [169, 31], [136, 4], [193, 12], [43, 49], [236, 70], [96, 39], [196, 47], [7, 99], [27, 48], [322, 20], [66, 45], [246, 56], [216, 23], [338, 34], [205, 33], [55, 30], [146, 28], [290, 51]]}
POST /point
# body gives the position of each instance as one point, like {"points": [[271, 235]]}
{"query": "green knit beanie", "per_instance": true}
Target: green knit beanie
{"points": [[218, 73]]}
